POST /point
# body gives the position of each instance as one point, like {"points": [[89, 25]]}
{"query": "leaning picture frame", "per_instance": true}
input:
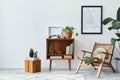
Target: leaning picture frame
{"points": [[54, 32], [91, 19]]}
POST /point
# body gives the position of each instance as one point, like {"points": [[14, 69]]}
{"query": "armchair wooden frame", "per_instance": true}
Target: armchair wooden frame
{"points": [[106, 58]]}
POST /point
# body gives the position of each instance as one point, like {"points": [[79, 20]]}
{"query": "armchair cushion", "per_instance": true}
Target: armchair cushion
{"points": [[98, 52]]}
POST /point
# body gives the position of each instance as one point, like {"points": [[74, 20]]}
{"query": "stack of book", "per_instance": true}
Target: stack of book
{"points": [[69, 49]]}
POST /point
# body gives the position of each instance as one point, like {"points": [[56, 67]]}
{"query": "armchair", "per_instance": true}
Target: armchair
{"points": [[107, 54]]}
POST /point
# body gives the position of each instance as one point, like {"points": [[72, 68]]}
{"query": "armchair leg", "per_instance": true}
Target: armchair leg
{"points": [[112, 68], [79, 65], [100, 66], [99, 70], [93, 65]]}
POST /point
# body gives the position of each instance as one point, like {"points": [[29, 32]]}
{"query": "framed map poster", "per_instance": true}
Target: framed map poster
{"points": [[91, 19]]}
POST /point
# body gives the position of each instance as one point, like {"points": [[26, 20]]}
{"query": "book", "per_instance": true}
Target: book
{"points": [[67, 49], [71, 49], [55, 56], [68, 56]]}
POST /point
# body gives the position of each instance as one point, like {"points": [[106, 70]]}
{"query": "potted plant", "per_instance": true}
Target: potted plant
{"points": [[32, 53], [115, 25], [52, 49], [68, 31]]}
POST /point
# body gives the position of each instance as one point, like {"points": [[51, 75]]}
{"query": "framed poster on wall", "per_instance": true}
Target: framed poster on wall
{"points": [[91, 19]]}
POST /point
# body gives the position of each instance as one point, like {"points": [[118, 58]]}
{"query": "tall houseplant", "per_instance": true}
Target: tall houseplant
{"points": [[115, 25], [68, 31]]}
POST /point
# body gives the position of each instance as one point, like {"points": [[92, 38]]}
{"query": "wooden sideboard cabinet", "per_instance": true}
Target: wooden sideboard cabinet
{"points": [[63, 50]]}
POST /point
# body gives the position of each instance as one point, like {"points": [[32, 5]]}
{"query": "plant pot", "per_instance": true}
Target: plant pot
{"points": [[52, 51], [118, 65], [68, 35]]}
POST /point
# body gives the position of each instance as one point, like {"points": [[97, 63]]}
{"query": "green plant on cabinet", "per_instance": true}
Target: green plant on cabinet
{"points": [[68, 31]]}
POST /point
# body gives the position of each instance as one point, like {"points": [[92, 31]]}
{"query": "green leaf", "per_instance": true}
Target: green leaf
{"points": [[76, 34], [115, 25], [107, 20], [113, 40], [31, 50], [36, 52], [118, 34], [89, 60], [110, 28], [118, 14], [51, 47], [69, 29]]}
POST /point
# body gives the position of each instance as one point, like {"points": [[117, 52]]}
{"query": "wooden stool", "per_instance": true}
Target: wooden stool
{"points": [[32, 66]]}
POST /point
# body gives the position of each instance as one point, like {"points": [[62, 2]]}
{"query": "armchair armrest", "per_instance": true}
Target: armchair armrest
{"points": [[107, 53], [84, 51]]}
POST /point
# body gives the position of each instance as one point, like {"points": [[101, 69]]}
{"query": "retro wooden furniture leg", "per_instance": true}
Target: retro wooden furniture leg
{"points": [[50, 64], [69, 64]]}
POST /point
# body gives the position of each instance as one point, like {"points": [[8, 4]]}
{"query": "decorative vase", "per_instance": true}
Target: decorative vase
{"points": [[68, 35]]}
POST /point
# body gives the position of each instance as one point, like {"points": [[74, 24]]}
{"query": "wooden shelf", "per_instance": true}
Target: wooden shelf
{"points": [[60, 39], [60, 52], [59, 45], [60, 59]]}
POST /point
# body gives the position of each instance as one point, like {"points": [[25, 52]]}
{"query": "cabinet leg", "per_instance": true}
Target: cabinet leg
{"points": [[69, 64], [50, 65]]}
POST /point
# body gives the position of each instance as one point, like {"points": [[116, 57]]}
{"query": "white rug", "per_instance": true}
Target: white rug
{"points": [[41, 77]]}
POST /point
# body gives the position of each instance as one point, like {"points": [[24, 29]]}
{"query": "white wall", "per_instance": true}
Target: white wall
{"points": [[24, 24]]}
